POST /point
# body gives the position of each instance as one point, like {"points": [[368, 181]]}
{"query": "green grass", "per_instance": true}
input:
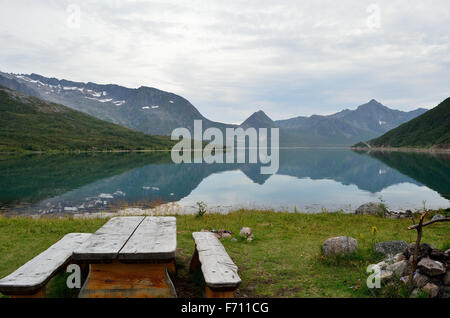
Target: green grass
{"points": [[28, 124], [283, 260]]}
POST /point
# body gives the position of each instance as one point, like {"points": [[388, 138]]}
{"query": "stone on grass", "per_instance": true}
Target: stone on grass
{"points": [[371, 208], [341, 245], [391, 247], [431, 289], [431, 268], [246, 232], [437, 217], [398, 268]]}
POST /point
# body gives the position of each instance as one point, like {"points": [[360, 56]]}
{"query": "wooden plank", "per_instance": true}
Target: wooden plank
{"points": [[40, 293], [37, 272], [106, 243], [154, 240], [218, 268], [119, 280]]}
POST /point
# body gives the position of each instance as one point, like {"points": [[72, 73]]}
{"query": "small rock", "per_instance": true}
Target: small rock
{"points": [[446, 279], [437, 217], [391, 247], [226, 235], [382, 265], [431, 289], [420, 280], [398, 268], [386, 275], [246, 232], [340, 245], [400, 257], [415, 293], [371, 208], [430, 267], [396, 215], [233, 240]]}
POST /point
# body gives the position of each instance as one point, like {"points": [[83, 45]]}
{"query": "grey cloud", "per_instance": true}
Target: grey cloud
{"points": [[230, 58]]}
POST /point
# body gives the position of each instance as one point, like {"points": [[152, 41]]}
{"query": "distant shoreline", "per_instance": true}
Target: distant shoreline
{"points": [[57, 152], [403, 149]]}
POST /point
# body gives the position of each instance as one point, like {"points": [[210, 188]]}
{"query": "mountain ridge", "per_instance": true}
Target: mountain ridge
{"points": [[29, 124], [156, 112], [429, 130]]}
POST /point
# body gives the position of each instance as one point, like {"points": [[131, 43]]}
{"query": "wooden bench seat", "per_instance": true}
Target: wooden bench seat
{"points": [[30, 279], [219, 271]]}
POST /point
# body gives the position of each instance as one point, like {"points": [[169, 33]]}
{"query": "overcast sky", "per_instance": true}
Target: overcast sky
{"points": [[231, 58]]}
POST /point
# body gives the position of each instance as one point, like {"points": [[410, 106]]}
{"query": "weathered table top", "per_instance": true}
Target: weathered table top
{"points": [[133, 238]]}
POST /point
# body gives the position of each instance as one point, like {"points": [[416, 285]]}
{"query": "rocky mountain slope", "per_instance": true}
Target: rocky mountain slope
{"points": [[157, 112], [31, 124]]}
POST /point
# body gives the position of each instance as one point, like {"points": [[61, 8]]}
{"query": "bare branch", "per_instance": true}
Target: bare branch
{"points": [[428, 223]]}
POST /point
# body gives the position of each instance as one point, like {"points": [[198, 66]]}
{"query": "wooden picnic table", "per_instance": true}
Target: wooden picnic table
{"points": [[130, 257]]}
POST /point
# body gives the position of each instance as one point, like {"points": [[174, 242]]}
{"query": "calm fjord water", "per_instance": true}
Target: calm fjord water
{"points": [[309, 179]]}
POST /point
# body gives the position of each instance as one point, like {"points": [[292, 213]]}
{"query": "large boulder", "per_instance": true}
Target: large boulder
{"points": [[341, 245], [431, 267], [391, 247], [437, 217], [371, 208]]}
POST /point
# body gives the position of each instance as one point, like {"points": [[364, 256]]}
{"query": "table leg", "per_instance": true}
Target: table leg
{"points": [[120, 280], [211, 293]]}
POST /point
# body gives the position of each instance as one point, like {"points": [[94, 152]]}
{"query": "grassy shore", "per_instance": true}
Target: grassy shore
{"points": [[283, 260]]}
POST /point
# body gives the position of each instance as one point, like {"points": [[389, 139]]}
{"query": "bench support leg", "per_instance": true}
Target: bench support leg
{"points": [[211, 293], [119, 280], [195, 261]]}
